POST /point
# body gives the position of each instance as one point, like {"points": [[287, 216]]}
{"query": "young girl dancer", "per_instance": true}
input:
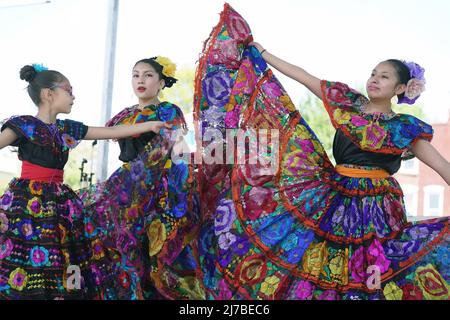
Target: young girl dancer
{"points": [[42, 242]]}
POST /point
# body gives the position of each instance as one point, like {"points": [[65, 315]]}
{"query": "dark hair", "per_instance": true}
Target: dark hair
{"points": [[39, 80], [169, 81], [402, 72]]}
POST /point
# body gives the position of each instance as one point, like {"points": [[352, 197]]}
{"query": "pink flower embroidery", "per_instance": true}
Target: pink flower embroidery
{"points": [[366, 257], [6, 248], [359, 121], [304, 290], [259, 200], [224, 291], [232, 119], [272, 89]]}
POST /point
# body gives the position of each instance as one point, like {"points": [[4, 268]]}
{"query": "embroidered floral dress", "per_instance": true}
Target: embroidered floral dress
{"points": [[42, 242], [306, 231], [141, 219]]}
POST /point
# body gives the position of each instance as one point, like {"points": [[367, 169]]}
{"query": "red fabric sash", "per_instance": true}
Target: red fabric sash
{"points": [[34, 172]]}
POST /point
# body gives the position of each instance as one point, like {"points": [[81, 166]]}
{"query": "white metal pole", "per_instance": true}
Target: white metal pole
{"points": [[110, 55]]}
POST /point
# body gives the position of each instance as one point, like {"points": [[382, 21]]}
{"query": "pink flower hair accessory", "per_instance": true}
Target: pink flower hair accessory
{"points": [[416, 85]]}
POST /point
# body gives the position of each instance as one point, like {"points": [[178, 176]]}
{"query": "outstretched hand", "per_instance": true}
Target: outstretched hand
{"points": [[156, 126], [257, 46]]}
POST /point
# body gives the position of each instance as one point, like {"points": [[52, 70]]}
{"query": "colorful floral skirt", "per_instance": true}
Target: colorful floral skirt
{"points": [[327, 238], [43, 251], [140, 222], [292, 227]]}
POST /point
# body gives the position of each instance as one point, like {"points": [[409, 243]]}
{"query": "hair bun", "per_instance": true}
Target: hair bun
{"points": [[169, 81], [28, 73]]}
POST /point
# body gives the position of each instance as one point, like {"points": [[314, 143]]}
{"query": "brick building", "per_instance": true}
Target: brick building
{"points": [[426, 193]]}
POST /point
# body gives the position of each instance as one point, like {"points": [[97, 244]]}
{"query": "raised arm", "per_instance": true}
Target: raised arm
{"points": [[7, 137], [290, 70], [426, 153], [123, 131]]}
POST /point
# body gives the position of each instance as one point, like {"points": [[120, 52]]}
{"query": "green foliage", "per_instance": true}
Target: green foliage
{"points": [[182, 92], [316, 116], [415, 110]]}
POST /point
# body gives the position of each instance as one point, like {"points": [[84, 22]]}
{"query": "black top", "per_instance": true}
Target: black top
{"points": [[130, 148], [346, 152], [46, 145]]}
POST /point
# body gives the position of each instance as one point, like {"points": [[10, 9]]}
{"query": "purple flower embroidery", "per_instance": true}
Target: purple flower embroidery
{"points": [[34, 206], [338, 216], [226, 239], [26, 229], [225, 257], [240, 246], [295, 255], [180, 207], [217, 87], [373, 211], [353, 219], [400, 250], [137, 169], [213, 118], [6, 200], [225, 216], [424, 231], [178, 175]]}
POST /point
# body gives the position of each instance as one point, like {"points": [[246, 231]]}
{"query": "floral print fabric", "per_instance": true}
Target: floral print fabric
{"points": [[142, 218], [304, 232], [42, 242]]}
